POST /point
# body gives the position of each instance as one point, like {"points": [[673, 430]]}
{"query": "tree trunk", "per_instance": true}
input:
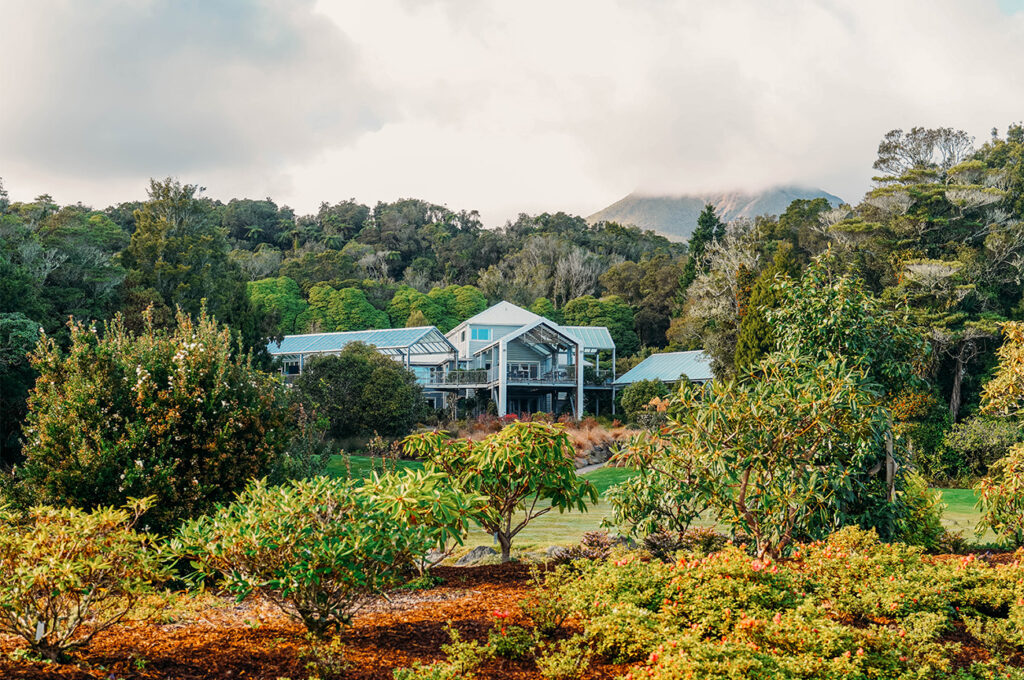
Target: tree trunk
{"points": [[505, 541], [955, 393]]}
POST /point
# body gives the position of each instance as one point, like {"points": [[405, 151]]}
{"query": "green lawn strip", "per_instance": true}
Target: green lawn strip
{"points": [[363, 466], [567, 528]]}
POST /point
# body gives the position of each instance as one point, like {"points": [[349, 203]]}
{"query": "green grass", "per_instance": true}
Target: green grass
{"points": [[556, 528], [363, 466]]}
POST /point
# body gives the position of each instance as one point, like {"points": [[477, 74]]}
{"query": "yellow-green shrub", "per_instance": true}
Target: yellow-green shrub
{"points": [[66, 574], [315, 547]]}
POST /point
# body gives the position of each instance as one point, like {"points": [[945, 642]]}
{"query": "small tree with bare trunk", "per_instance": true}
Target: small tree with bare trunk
{"points": [[522, 472]]}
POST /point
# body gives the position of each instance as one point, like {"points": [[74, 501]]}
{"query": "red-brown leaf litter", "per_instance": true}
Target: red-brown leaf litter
{"points": [[253, 640]]}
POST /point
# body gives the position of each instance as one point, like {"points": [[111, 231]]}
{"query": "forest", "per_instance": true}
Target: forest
{"points": [[939, 239]]}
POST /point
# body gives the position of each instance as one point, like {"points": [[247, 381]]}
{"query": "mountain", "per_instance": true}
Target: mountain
{"points": [[676, 216]]}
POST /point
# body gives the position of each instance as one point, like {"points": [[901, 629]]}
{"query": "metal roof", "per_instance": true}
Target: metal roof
{"points": [[541, 331], [590, 337], [668, 367], [419, 340]]}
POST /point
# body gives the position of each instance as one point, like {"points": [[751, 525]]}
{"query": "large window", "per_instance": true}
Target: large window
{"points": [[523, 370], [480, 334]]}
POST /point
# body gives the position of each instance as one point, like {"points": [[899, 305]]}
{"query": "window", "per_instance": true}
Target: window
{"points": [[463, 339], [480, 334]]}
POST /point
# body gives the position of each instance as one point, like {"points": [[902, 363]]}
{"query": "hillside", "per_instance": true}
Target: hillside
{"points": [[676, 216]]}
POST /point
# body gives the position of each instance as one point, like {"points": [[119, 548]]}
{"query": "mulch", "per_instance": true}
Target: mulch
{"points": [[253, 641]]}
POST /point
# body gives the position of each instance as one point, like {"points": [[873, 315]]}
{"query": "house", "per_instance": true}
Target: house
{"points": [[522, 361], [669, 368]]}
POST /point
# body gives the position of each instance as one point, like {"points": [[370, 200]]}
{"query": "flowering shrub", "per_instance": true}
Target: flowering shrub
{"points": [[69, 574], [315, 547], [178, 415], [510, 642], [846, 607]]}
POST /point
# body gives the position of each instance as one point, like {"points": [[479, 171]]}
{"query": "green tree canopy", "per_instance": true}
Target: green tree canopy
{"points": [[280, 298], [361, 391], [610, 312]]}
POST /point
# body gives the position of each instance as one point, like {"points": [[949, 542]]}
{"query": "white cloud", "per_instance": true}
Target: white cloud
{"points": [[525, 106]]}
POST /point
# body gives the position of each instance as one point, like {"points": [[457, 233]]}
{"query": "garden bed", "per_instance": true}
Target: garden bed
{"points": [[217, 638]]}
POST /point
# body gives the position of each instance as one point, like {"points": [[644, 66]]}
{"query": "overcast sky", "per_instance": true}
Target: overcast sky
{"points": [[499, 106]]}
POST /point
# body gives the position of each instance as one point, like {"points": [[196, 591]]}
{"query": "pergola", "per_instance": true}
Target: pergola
{"points": [[401, 343]]}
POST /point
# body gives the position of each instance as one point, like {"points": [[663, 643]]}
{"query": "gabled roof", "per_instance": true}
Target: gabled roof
{"points": [[508, 314], [669, 366], [502, 314], [542, 330], [419, 340], [590, 337]]}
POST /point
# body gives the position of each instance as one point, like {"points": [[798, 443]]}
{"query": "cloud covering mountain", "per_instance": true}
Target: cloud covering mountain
{"points": [[675, 217]]}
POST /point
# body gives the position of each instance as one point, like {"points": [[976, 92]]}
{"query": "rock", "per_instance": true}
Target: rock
{"points": [[475, 555]]}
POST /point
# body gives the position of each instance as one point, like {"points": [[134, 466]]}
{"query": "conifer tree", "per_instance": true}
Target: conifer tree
{"points": [[709, 228]]}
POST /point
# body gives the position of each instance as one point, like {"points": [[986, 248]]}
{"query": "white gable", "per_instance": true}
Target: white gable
{"points": [[503, 314]]}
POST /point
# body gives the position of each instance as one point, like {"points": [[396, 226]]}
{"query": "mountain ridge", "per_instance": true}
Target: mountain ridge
{"points": [[675, 216]]}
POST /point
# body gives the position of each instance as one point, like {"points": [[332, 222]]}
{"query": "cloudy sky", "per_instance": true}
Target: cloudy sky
{"points": [[499, 106]]}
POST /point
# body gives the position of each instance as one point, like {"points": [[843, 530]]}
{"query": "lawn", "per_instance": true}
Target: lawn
{"points": [[556, 528]]}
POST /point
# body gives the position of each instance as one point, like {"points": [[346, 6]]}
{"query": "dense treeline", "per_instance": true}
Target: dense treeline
{"points": [[941, 236], [267, 272]]}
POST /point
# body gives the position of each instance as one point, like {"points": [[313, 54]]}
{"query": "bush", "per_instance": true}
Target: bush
{"points": [[848, 607], [790, 453], [463, 660], [703, 541], [1002, 498], [176, 415], [510, 642], [563, 660], [658, 501], [308, 453], [315, 547], [593, 545], [971, 447], [360, 391], [69, 574], [638, 395]]}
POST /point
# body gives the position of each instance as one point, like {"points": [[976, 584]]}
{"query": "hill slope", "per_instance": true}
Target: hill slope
{"points": [[676, 216]]}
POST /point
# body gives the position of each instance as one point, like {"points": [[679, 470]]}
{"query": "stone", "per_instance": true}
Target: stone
{"points": [[475, 555]]}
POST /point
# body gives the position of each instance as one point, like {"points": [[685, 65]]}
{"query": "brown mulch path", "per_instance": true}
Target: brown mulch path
{"points": [[253, 641]]}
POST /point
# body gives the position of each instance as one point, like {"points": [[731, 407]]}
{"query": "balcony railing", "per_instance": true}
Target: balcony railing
{"points": [[515, 376]]}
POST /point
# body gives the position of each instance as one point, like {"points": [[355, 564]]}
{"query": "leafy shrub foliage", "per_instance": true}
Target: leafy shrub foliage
{"points": [[846, 607], [1002, 490], [360, 391], [638, 395], [785, 456], [315, 547], [69, 574], [971, 447], [464, 657], [177, 415], [1002, 498], [513, 470], [565, 659], [653, 502]]}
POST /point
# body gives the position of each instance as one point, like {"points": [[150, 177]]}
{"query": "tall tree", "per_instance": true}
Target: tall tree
{"points": [[178, 257], [709, 228]]}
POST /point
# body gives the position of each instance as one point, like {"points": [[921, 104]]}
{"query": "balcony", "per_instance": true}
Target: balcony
{"points": [[517, 375]]}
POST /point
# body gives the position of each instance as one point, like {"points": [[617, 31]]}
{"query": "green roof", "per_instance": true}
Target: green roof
{"points": [[669, 367], [420, 340], [590, 337]]}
